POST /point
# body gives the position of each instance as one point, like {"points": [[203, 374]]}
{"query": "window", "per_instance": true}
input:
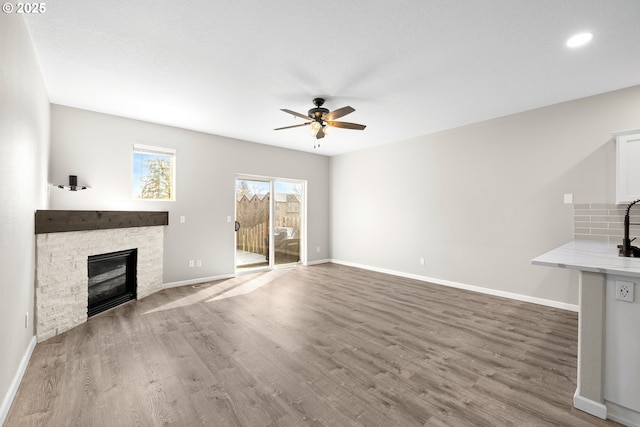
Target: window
{"points": [[154, 170]]}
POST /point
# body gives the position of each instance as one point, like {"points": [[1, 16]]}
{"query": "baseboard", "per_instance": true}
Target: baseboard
{"points": [[17, 379], [488, 291], [590, 406], [622, 415], [319, 261], [197, 281]]}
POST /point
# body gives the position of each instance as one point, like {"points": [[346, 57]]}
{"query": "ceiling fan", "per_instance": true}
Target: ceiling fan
{"points": [[320, 117]]}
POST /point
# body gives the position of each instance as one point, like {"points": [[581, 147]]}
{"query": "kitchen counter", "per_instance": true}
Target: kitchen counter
{"points": [[608, 377], [587, 255]]}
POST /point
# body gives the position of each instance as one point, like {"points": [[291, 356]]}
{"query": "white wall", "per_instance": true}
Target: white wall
{"points": [[478, 202], [24, 148], [98, 148]]}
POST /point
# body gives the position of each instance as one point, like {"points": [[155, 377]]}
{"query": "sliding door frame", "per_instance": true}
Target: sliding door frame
{"points": [[272, 200]]}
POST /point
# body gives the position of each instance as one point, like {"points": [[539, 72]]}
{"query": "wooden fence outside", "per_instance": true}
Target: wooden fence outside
{"points": [[252, 239]]}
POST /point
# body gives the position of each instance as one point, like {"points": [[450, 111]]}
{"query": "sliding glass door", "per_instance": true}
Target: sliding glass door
{"points": [[269, 222], [287, 229], [253, 218]]}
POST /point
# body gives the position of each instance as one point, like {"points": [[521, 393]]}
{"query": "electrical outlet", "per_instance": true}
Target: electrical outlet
{"points": [[199, 263], [421, 261], [624, 291]]}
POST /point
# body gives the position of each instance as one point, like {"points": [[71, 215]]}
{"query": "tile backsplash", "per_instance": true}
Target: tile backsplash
{"points": [[604, 222]]}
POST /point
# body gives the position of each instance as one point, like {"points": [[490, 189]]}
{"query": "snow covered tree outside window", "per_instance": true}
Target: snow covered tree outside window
{"points": [[153, 173]]}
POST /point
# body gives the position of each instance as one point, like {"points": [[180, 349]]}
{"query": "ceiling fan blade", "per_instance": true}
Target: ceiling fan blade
{"points": [[294, 126], [346, 125], [320, 133], [304, 116], [336, 114]]}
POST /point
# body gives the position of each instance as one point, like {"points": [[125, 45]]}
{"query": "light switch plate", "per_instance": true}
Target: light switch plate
{"points": [[568, 199]]}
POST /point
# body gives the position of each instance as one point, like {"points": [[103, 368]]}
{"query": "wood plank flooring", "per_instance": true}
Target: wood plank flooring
{"points": [[324, 345]]}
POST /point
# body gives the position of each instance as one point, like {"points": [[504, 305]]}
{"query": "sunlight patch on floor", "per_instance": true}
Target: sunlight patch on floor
{"points": [[249, 286], [206, 292], [230, 288]]}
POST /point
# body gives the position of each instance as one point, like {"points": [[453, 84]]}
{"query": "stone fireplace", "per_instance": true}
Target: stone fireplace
{"points": [[65, 240]]}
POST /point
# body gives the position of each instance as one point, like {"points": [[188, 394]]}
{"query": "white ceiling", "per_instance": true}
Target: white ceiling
{"points": [[408, 67]]}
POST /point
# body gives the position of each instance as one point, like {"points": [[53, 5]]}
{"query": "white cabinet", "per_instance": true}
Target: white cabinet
{"points": [[627, 166]]}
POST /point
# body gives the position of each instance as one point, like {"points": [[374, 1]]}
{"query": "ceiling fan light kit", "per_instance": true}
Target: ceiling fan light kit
{"points": [[321, 119]]}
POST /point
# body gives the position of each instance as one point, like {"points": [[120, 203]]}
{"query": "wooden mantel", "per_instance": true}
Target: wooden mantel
{"points": [[57, 221]]}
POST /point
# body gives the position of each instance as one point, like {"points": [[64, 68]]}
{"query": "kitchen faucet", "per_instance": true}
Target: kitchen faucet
{"points": [[626, 249]]}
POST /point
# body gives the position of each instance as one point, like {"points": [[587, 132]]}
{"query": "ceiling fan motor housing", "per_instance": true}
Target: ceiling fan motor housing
{"points": [[317, 113]]}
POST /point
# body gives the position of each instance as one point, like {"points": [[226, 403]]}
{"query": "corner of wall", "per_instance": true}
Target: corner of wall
{"points": [[24, 159]]}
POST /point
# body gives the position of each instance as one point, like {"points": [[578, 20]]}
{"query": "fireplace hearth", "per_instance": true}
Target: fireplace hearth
{"points": [[112, 280]]}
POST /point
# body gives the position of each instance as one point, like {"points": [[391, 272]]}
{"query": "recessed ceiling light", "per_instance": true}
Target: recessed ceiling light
{"points": [[579, 39]]}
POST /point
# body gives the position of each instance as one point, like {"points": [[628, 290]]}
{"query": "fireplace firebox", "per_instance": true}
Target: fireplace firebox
{"points": [[112, 280]]}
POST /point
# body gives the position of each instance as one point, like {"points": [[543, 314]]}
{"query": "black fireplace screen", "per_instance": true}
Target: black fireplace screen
{"points": [[112, 280]]}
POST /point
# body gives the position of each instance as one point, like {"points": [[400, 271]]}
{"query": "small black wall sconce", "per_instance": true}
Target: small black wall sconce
{"points": [[73, 184]]}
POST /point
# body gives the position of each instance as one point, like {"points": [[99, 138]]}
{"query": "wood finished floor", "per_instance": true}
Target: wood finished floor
{"points": [[325, 345]]}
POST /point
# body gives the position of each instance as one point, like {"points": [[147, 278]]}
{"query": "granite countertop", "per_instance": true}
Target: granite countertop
{"points": [[593, 256]]}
